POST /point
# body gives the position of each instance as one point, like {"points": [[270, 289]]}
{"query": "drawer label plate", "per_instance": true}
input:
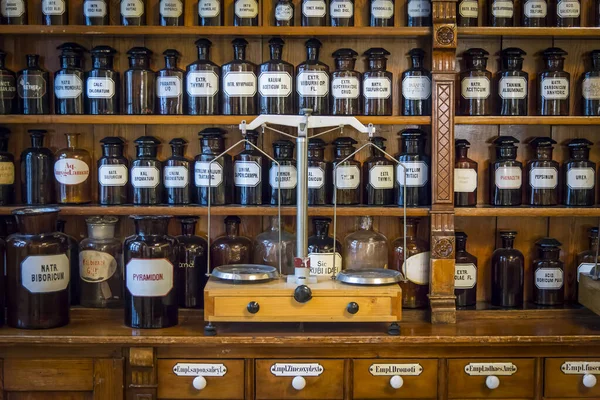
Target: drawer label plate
{"points": [[580, 367], [483, 369], [395, 369], [189, 369], [299, 369]]}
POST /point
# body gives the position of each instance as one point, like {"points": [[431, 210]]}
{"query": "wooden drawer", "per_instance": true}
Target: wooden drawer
{"points": [[174, 386], [372, 379], [560, 384], [328, 385], [48, 375], [464, 386]]}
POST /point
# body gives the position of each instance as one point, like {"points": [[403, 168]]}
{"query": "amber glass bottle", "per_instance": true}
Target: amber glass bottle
{"points": [[68, 80], [275, 82], [146, 179], [417, 163], [8, 88], [176, 174], [554, 84], [216, 177], [72, 170], [133, 13], [502, 13], [170, 12], [7, 170], [13, 12], [548, 273], [382, 13], [245, 13], [467, 12], [377, 83], [283, 178], [590, 87], [55, 12], [210, 13], [507, 273], [465, 176], [33, 88], [535, 13], [102, 83], [113, 172], [192, 260], [512, 83], [202, 82], [284, 13], [475, 87], [542, 174], [579, 175], [37, 167], [169, 84], [140, 83], [238, 82], [250, 170], [506, 174], [314, 13], [465, 273], [345, 84], [378, 175], [320, 187], [231, 248], [341, 12], [346, 178], [312, 81], [416, 86]]}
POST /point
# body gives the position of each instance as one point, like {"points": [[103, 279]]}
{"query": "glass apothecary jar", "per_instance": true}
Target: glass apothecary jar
{"points": [[72, 173], [548, 273], [231, 248], [193, 252], [365, 248], [266, 248]]}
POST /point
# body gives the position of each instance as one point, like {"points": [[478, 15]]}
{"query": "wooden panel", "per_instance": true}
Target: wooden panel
{"points": [[48, 375], [49, 396], [108, 379], [559, 384]]}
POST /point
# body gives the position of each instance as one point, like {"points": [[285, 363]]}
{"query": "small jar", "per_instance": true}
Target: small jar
{"points": [[283, 178], [102, 83], [113, 172], [502, 13], [377, 90], [513, 83], [7, 170], [284, 13], [542, 174], [170, 12], [590, 87], [133, 13], [465, 176], [382, 13], [579, 175], [55, 12], [506, 174], [548, 273], [475, 87], [145, 174], [140, 83], [554, 84], [341, 12], [346, 178], [193, 251], [176, 174], [216, 177], [345, 84], [319, 174], [68, 80]]}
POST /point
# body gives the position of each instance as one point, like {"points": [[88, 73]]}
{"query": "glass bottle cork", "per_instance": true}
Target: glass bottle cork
{"points": [[238, 82], [467, 13], [245, 13], [33, 88], [8, 88], [590, 88], [312, 81], [13, 12], [220, 172], [319, 174], [37, 169], [170, 12], [377, 83], [502, 13], [378, 175], [579, 175], [417, 163], [102, 83], [554, 84], [169, 84], [416, 86], [465, 176], [276, 83], [475, 84], [96, 12], [202, 82], [506, 174], [542, 174], [55, 12], [72, 173], [346, 178], [140, 83], [548, 273], [176, 174], [133, 13], [113, 172], [341, 12], [68, 80], [7, 170], [283, 178], [507, 273], [535, 13], [345, 84], [145, 174], [210, 13], [512, 83], [465, 273], [284, 13], [314, 13], [382, 13]]}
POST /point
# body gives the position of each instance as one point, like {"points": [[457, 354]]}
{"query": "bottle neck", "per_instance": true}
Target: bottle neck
{"points": [[212, 145], [461, 244], [112, 150], [366, 223], [102, 62], [177, 150], [544, 153], [461, 152], [322, 229], [37, 141], [147, 151], [232, 229], [477, 63], [101, 231], [203, 53], [417, 61], [377, 64], [239, 53], [312, 53], [508, 243], [343, 152], [555, 64], [593, 241], [276, 52], [580, 153], [375, 152], [549, 254], [139, 62], [72, 141], [188, 228], [274, 224], [170, 62], [509, 153], [595, 63], [512, 63], [283, 153], [344, 64], [70, 62], [37, 224], [251, 139], [316, 153], [147, 227], [411, 146], [33, 61]]}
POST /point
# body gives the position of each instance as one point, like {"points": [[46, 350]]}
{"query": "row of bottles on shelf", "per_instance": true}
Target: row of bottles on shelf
{"points": [[510, 91], [237, 88], [575, 185]]}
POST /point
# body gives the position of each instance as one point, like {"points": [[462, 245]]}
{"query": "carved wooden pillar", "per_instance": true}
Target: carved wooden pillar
{"points": [[441, 294], [141, 374]]}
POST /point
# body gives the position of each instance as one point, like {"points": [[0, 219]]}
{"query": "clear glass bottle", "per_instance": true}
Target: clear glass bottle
{"points": [[507, 273], [283, 178], [102, 83], [101, 265], [133, 13], [314, 13], [378, 175], [312, 81], [513, 83], [140, 83], [33, 88], [113, 172], [506, 174], [320, 250], [475, 84], [382, 13], [96, 12], [345, 84], [55, 12], [341, 12], [72, 168], [535, 13], [266, 247], [465, 176], [7, 170], [590, 87], [68, 80], [502, 13], [170, 12], [586, 259], [275, 83], [465, 273], [238, 82], [145, 174], [418, 12], [193, 251], [542, 174], [417, 163], [568, 13], [284, 13], [377, 90], [8, 88], [346, 178], [554, 84], [319, 174], [365, 248], [73, 262], [231, 248], [467, 13], [416, 86], [37, 170], [579, 175], [220, 184], [169, 83], [548, 273], [176, 174], [245, 13], [250, 168], [13, 12], [202, 82], [210, 13]]}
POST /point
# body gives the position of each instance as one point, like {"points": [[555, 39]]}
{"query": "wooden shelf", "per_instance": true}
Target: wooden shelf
{"points": [[487, 31], [530, 120], [526, 211]]}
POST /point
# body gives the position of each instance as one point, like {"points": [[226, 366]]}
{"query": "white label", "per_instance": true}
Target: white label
{"points": [[417, 268], [581, 178], [465, 180], [312, 84], [67, 86], [475, 88], [468, 9], [171, 8], [465, 276], [45, 274], [502, 9], [535, 9], [246, 173], [347, 177], [246, 8], [284, 12], [7, 87], [377, 88], [176, 177], [7, 173], [508, 177], [512, 87], [100, 88], [96, 266], [590, 88], [300, 369], [113, 175], [341, 9], [568, 9], [345, 88], [316, 178], [314, 8], [53, 7], [145, 177], [543, 178], [555, 88], [382, 9], [416, 88], [239, 84], [31, 86], [419, 8], [275, 84], [149, 277], [549, 278], [417, 173], [322, 263], [201, 174], [209, 8], [71, 171], [485, 369], [283, 177], [396, 369], [168, 86], [188, 369], [580, 368], [584, 268], [12, 8], [202, 84], [132, 8], [382, 177], [94, 8]]}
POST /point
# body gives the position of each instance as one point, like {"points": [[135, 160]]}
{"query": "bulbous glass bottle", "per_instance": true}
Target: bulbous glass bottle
{"points": [[377, 90], [312, 81], [193, 251], [542, 174], [72, 170], [102, 83], [238, 82], [33, 88], [140, 83], [202, 83], [506, 174], [319, 174], [507, 273], [283, 178], [267, 245], [590, 87], [275, 82], [220, 184], [465, 273], [579, 175], [231, 248], [554, 84], [145, 174], [365, 248], [417, 163], [548, 273], [416, 86], [320, 250], [346, 177], [378, 175], [37, 171], [8, 88], [7, 170], [169, 84], [465, 176], [113, 172], [68, 80], [176, 174]]}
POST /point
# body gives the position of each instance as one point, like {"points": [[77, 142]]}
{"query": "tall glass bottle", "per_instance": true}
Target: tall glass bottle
{"points": [[365, 248], [55, 12], [150, 257], [267, 245], [465, 176], [512, 83], [312, 81], [250, 168], [382, 13], [467, 13], [378, 175], [314, 13], [210, 13], [320, 249], [284, 13], [139, 82], [507, 273], [72, 169], [568, 13], [586, 260], [506, 174], [275, 82], [465, 273], [416, 86], [101, 265], [377, 83], [202, 82], [345, 84], [341, 12], [412, 156], [37, 169], [579, 175], [245, 13], [33, 87], [502, 12], [475, 87], [96, 12], [215, 177], [7, 170], [238, 82], [113, 172], [145, 174], [418, 12], [133, 13], [169, 82], [283, 178], [102, 83], [590, 87], [542, 174], [170, 12], [548, 273], [346, 178], [73, 262], [231, 248], [13, 12], [535, 13], [319, 174], [8, 88], [553, 84], [68, 80], [176, 174], [193, 251]]}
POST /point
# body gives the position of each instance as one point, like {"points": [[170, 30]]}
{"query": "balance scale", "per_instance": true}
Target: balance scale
{"points": [[259, 293]]}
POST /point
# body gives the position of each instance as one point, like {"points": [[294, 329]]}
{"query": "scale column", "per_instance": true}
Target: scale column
{"points": [[302, 193]]}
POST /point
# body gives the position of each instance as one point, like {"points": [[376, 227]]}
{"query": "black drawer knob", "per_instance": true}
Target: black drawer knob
{"points": [[352, 307], [302, 294], [253, 307]]}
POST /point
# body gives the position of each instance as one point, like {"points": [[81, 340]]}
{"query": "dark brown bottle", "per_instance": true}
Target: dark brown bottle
{"points": [[590, 87], [145, 175], [377, 83], [465, 176], [13, 12], [113, 172], [8, 88], [275, 82], [586, 260], [346, 178], [320, 249], [568, 13], [418, 12], [250, 171], [506, 174], [548, 273], [382, 13], [151, 257], [314, 13], [312, 81], [74, 286], [192, 261], [319, 174], [33, 87], [512, 83], [37, 171], [475, 87], [238, 82], [283, 178], [502, 12], [96, 12], [507, 273], [467, 13], [202, 83], [345, 84], [341, 12], [68, 80], [7, 170], [378, 175], [579, 175], [416, 86], [284, 13], [216, 177], [102, 83], [55, 12], [133, 13], [170, 12], [417, 163], [169, 83], [176, 174], [535, 13], [245, 13], [139, 82], [465, 273], [72, 169], [553, 84], [231, 248], [210, 13], [542, 174]]}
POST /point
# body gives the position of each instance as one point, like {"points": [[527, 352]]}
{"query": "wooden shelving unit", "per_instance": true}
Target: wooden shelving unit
{"points": [[547, 32], [524, 211], [528, 120]]}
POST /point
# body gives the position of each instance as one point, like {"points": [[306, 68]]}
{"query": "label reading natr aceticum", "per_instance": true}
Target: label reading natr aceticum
{"points": [[297, 369], [483, 369]]}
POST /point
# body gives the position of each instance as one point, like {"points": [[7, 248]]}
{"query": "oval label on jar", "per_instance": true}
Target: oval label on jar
{"points": [[176, 177], [67, 86], [465, 276], [94, 8], [283, 177], [590, 88], [149, 277], [396, 369], [416, 268], [171, 8], [316, 178], [202, 177], [508, 177], [555, 88], [168, 87], [382, 177], [71, 171], [535, 9], [202, 83], [12, 8], [322, 264], [145, 177], [193, 369], [314, 8], [8, 89], [132, 8], [417, 173], [549, 278], [246, 8], [7, 173], [246, 173], [345, 88], [377, 88], [465, 180], [419, 8], [46, 273], [503, 9], [297, 369], [475, 88], [31, 87], [341, 9], [284, 12], [568, 9], [274, 84], [512, 87], [100, 88], [96, 266], [580, 367], [383, 9], [485, 369], [416, 88], [347, 177], [209, 8], [239, 84], [113, 175], [53, 7], [543, 178], [468, 9], [312, 83]]}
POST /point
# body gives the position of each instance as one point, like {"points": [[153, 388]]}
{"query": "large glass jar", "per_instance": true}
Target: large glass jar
{"points": [[512, 83], [266, 247], [365, 248], [507, 273], [37, 166], [320, 250], [416, 86], [345, 84], [202, 82], [7, 170], [68, 80], [312, 81], [416, 165], [37, 272], [219, 180], [238, 82], [275, 83], [72, 173], [192, 277], [250, 171], [101, 265], [102, 83], [475, 84], [150, 274], [231, 248], [554, 84], [139, 82], [548, 273]]}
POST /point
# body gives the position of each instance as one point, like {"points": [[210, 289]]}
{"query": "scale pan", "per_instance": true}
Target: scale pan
{"points": [[246, 273], [370, 276]]}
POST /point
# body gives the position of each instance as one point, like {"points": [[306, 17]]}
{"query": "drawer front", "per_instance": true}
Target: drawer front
{"points": [[48, 375], [560, 384], [327, 385], [372, 379], [228, 386], [464, 386]]}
